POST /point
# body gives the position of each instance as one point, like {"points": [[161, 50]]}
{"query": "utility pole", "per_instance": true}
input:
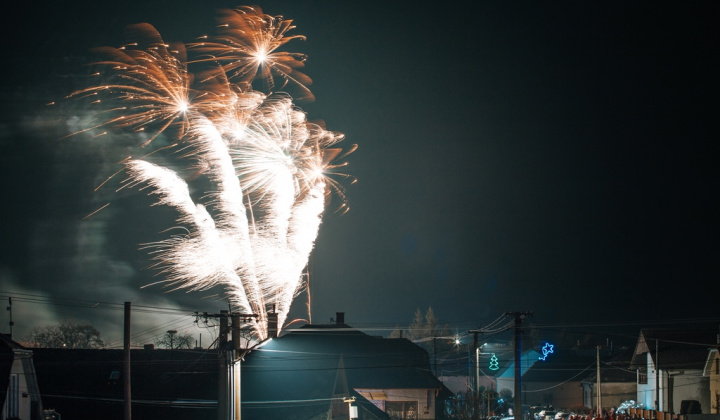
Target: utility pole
{"points": [[519, 316], [657, 377], [599, 393], [11, 323], [127, 394], [434, 355], [223, 366], [229, 356], [236, 359], [476, 402]]}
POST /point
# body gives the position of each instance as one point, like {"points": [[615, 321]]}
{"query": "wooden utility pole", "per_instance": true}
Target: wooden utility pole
{"points": [[223, 367], [236, 358], [519, 316], [127, 394], [657, 376], [11, 323], [476, 402], [599, 393], [434, 355], [229, 357]]}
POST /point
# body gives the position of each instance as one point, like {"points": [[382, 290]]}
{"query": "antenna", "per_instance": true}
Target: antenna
{"points": [[11, 323]]}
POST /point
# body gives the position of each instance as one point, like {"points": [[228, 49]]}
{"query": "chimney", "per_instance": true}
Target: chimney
{"points": [[272, 321], [340, 318]]}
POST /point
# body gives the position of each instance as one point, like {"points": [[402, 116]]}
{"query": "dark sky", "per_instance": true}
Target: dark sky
{"points": [[556, 157]]}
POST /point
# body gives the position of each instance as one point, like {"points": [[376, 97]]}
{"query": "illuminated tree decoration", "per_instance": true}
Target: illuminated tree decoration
{"points": [[494, 365], [547, 349]]}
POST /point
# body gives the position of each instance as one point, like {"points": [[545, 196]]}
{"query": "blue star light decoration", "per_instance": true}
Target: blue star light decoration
{"points": [[547, 349]]}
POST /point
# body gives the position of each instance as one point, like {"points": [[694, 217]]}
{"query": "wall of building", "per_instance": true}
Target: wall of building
{"points": [[23, 395], [715, 385], [424, 400], [690, 386], [566, 396], [646, 391], [614, 393]]}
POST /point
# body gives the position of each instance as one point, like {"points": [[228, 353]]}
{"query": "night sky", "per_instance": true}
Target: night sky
{"points": [[554, 157]]}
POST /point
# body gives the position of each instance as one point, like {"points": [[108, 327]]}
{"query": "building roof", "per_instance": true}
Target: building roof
{"points": [[674, 349], [307, 367], [711, 361]]}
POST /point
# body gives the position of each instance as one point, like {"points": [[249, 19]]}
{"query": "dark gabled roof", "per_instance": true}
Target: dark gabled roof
{"points": [[369, 361], [8, 344], [297, 374], [674, 349]]}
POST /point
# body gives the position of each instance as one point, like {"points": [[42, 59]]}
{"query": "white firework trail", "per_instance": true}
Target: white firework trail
{"points": [[271, 170]]}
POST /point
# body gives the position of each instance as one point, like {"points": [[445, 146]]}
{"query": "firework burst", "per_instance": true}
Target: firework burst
{"points": [[271, 170], [247, 47]]}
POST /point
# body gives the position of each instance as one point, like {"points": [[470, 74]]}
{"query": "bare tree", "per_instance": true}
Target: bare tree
{"points": [[172, 340], [68, 334]]}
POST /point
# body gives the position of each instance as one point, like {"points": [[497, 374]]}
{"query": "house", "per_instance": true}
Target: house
{"points": [[320, 371], [670, 367], [19, 394]]}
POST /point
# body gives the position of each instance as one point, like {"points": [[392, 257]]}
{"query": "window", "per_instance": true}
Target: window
{"points": [[642, 378], [402, 410]]}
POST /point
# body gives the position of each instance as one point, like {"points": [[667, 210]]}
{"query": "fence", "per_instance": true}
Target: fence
{"points": [[662, 415], [654, 414]]}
